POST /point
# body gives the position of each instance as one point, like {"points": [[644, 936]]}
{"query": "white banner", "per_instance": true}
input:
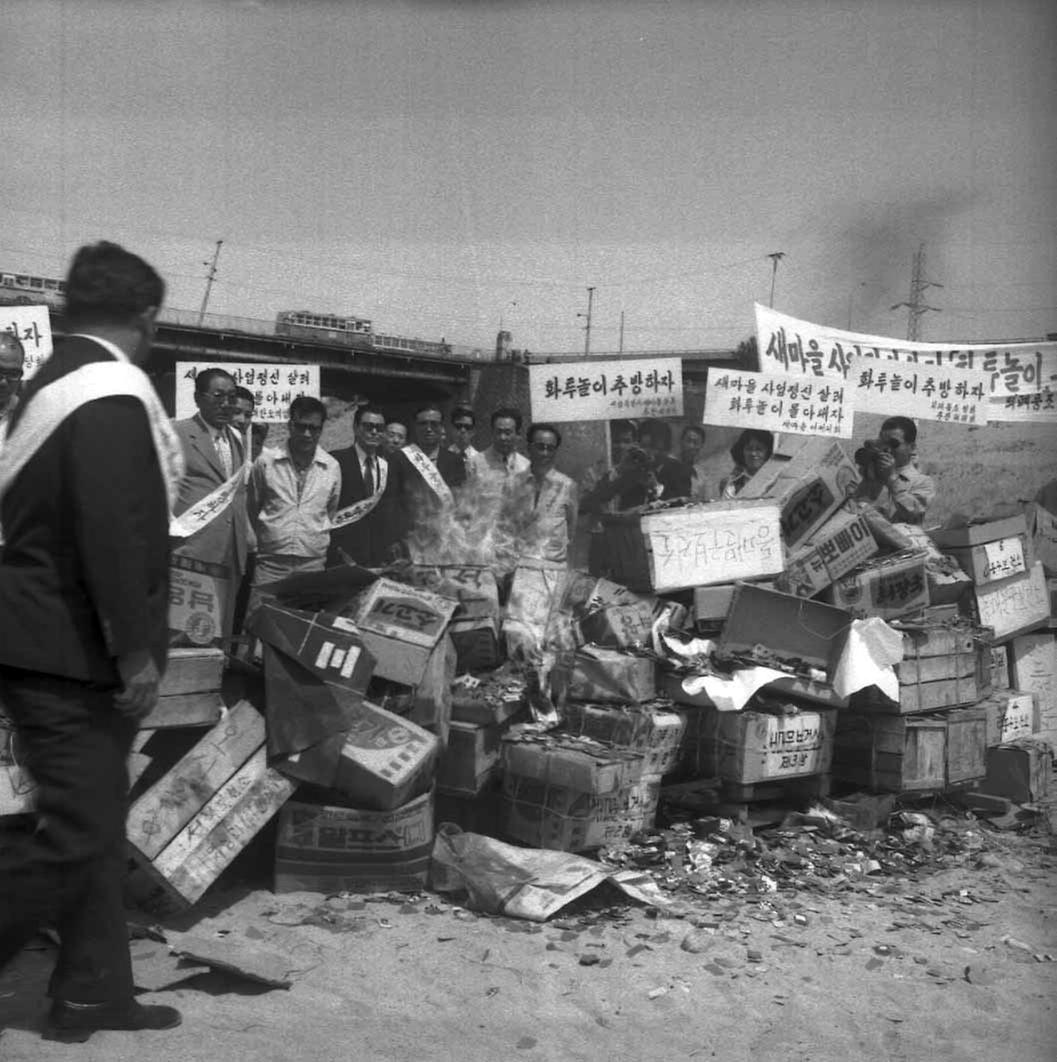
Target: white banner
{"points": [[1025, 372], [918, 391], [32, 324], [606, 389], [273, 386], [778, 403]]}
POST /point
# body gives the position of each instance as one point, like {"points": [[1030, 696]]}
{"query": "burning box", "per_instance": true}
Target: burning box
{"points": [[809, 488], [841, 545], [400, 625], [653, 731], [470, 759], [321, 848], [1014, 605], [534, 617], [1011, 714], [476, 644], [599, 674], [889, 587], [474, 587], [697, 545]]}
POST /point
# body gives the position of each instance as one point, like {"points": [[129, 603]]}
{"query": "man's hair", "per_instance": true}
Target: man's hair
{"points": [[246, 393], [693, 429], [463, 411], [9, 341], [622, 427], [204, 380], [307, 406], [360, 410], [910, 429], [259, 429], [429, 408], [510, 413], [108, 285], [535, 429], [737, 451], [658, 431], [396, 420]]}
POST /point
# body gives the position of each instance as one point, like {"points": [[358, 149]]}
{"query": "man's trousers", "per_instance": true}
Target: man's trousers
{"points": [[69, 871]]}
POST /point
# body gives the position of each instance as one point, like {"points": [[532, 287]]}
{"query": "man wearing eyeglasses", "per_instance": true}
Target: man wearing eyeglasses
{"points": [[538, 514], [293, 496], [12, 363], [464, 424], [212, 502], [366, 529]]}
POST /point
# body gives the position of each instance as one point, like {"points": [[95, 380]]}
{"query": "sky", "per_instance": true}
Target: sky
{"points": [[444, 167]]}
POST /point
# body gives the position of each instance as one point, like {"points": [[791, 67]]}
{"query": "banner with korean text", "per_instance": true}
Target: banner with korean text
{"points": [[1021, 377], [778, 403], [32, 324], [273, 386], [607, 389]]}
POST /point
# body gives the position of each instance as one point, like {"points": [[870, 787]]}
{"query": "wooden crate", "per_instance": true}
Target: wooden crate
{"points": [[966, 744], [192, 671], [470, 758], [203, 708], [890, 754]]}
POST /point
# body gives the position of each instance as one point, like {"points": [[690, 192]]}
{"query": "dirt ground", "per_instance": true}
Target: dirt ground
{"points": [[952, 962]]}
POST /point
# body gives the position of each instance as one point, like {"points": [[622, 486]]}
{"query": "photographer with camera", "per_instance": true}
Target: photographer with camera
{"points": [[891, 483]]}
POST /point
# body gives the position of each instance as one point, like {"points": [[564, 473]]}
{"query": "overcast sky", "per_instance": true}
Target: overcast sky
{"points": [[439, 166]]}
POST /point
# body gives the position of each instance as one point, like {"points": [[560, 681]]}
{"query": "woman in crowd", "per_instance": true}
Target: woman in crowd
{"points": [[750, 452]]}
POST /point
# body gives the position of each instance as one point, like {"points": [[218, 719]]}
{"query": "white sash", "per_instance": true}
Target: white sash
{"points": [[351, 514], [429, 473], [52, 404], [204, 512]]}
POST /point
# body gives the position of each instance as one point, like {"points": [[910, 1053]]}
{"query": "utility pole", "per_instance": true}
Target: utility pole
{"points": [[775, 257], [209, 282], [915, 305], [587, 326], [621, 331]]}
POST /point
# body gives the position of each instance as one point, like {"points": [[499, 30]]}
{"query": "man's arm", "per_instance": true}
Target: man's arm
{"points": [[911, 496], [571, 509]]}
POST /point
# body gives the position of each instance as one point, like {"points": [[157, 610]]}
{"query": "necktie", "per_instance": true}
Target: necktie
{"points": [[368, 477], [224, 453]]}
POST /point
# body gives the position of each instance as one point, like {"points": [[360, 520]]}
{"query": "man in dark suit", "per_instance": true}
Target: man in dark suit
{"points": [[428, 476], [214, 453], [372, 535], [83, 604]]}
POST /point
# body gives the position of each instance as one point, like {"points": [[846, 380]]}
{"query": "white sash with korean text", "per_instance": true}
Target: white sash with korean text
{"points": [[52, 404], [204, 512], [428, 470], [351, 514]]}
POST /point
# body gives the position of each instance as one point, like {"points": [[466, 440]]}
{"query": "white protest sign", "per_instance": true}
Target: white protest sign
{"points": [[273, 386], [606, 389], [1014, 370], [922, 392], [1038, 406], [778, 403], [32, 324]]}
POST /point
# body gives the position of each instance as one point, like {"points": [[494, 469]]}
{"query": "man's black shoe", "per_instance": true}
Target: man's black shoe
{"points": [[73, 1023]]}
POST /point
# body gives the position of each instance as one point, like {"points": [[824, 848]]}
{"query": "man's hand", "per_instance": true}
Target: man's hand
{"points": [[139, 682], [886, 466]]}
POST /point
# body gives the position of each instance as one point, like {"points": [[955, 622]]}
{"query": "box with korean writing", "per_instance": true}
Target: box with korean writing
{"points": [[695, 545], [841, 544], [1011, 714], [1016, 605], [988, 552], [888, 587], [653, 729]]}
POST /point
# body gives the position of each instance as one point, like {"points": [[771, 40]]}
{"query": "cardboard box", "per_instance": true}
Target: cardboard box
{"points": [[476, 643], [1014, 606], [1000, 678], [1042, 527], [835, 549], [654, 732], [570, 762], [1019, 771], [1011, 714], [545, 815], [966, 744], [697, 545], [809, 488], [1033, 668], [198, 602], [470, 759], [499, 699], [400, 625], [789, 627], [17, 790], [990, 562], [534, 617], [184, 709], [976, 534], [473, 586], [612, 676], [192, 670], [891, 754], [712, 604], [327, 849], [888, 588]]}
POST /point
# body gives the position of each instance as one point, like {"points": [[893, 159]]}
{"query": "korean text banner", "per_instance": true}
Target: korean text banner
{"points": [[33, 326], [923, 392], [778, 403], [607, 389], [1022, 376], [273, 387]]}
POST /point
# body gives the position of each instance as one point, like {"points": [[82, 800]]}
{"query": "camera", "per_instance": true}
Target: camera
{"points": [[867, 454]]}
